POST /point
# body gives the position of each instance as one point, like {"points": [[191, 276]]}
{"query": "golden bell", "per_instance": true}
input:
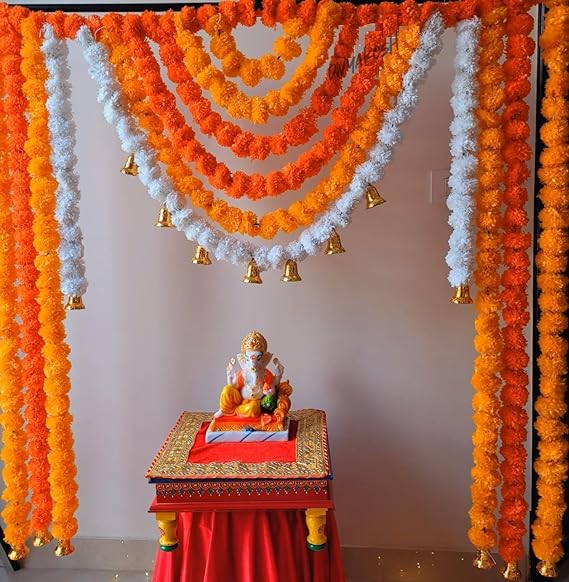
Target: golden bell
{"points": [[41, 538], [290, 274], [74, 303], [511, 571], [18, 553], [547, 569], [334, 244], [130, 168], [373, 197], [253, 274], [64, 548], [201, 257], [483, 560], [164, 219], [461, 295]]}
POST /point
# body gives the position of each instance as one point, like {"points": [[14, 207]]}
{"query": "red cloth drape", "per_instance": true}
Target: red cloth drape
{"points": [[277, 452], [248, 546]]}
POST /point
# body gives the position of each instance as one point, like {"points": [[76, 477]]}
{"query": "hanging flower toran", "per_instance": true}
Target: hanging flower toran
{"points": [[486, 379], [551, 465]]}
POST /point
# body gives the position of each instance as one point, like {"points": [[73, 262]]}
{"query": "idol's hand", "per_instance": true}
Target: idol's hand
{"points": [[231, 373], [280, 370]]}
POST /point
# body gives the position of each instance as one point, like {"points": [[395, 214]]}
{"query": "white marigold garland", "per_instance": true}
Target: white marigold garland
{"points": [[463, 148], [229, 248], [63, 160]]}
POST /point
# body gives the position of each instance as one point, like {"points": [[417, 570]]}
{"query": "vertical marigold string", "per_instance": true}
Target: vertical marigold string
{"points": [[553, 245], [52, 314], [25, 254], [516, 242], [488, 341], [14, 450]]}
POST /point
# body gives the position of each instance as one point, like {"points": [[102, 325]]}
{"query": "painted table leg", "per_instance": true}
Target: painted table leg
{"points": [[166, 521], [316, 523]]}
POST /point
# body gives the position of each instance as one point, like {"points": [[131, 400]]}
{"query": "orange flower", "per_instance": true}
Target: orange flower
{"points": [[46, 241]]}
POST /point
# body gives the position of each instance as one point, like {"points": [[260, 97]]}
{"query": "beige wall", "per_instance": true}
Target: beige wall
{"points": [[369, 336]]}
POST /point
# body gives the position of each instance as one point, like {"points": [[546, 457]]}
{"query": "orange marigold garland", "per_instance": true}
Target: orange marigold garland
{"points": [[296, 131], [14, 451], [226, 94], [255, 186], [52, 314], [516, 242], [488, 341], [551, 465], [301, 212], [25, 254]]}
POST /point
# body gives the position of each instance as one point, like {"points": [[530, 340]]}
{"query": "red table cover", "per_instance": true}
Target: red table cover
{"points": [[277, 452], [248, 546]]}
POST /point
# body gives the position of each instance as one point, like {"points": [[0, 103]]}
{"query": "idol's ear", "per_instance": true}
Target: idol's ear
{"points": [[266, 358], [241, 360]]}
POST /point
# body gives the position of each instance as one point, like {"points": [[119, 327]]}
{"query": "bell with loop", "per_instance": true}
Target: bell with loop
{"points": [[130, 168], [164, 218], [334, 246], [64, 548], [18, 553], [483, 560], [290, 274], [461, 295], [253, 274], [373, 197], [547, 569], [201, 257], [41, 538], [511, 571], [74, 303]]}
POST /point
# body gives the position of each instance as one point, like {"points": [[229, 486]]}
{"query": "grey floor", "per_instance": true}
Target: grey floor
{"points": [[52, 575]]}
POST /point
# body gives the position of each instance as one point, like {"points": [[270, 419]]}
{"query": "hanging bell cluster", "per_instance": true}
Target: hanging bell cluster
{"points": [[483, 560], [511, 571], [547, 569], [130, 168], [253, 274], [74, 303], [201, 257], [461, 295], [373, 197], [164, 218], [290, 274], [334, 246]]}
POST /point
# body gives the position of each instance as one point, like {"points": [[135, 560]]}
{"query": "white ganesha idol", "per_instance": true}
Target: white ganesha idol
{"points": [[253, 405]]}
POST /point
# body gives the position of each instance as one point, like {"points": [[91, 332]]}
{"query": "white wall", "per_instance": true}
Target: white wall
{"points": [[369, 336]]}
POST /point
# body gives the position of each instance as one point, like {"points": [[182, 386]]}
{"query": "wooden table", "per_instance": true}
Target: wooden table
{"points": [[190, 475]]}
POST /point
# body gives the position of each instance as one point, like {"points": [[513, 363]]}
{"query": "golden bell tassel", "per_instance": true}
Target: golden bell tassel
{"points": [[64, 548], [18, 553], [164, 218], [461, 295], [201, 257], [547, 569], [290, 274], [130, 168], [483, 560], [74, 303], [373, 197], [334, 246], [511, 571], [41, 538], [253, 274]]}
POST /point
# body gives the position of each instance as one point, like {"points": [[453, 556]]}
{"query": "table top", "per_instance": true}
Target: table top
{"points": [[309, 458]]}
